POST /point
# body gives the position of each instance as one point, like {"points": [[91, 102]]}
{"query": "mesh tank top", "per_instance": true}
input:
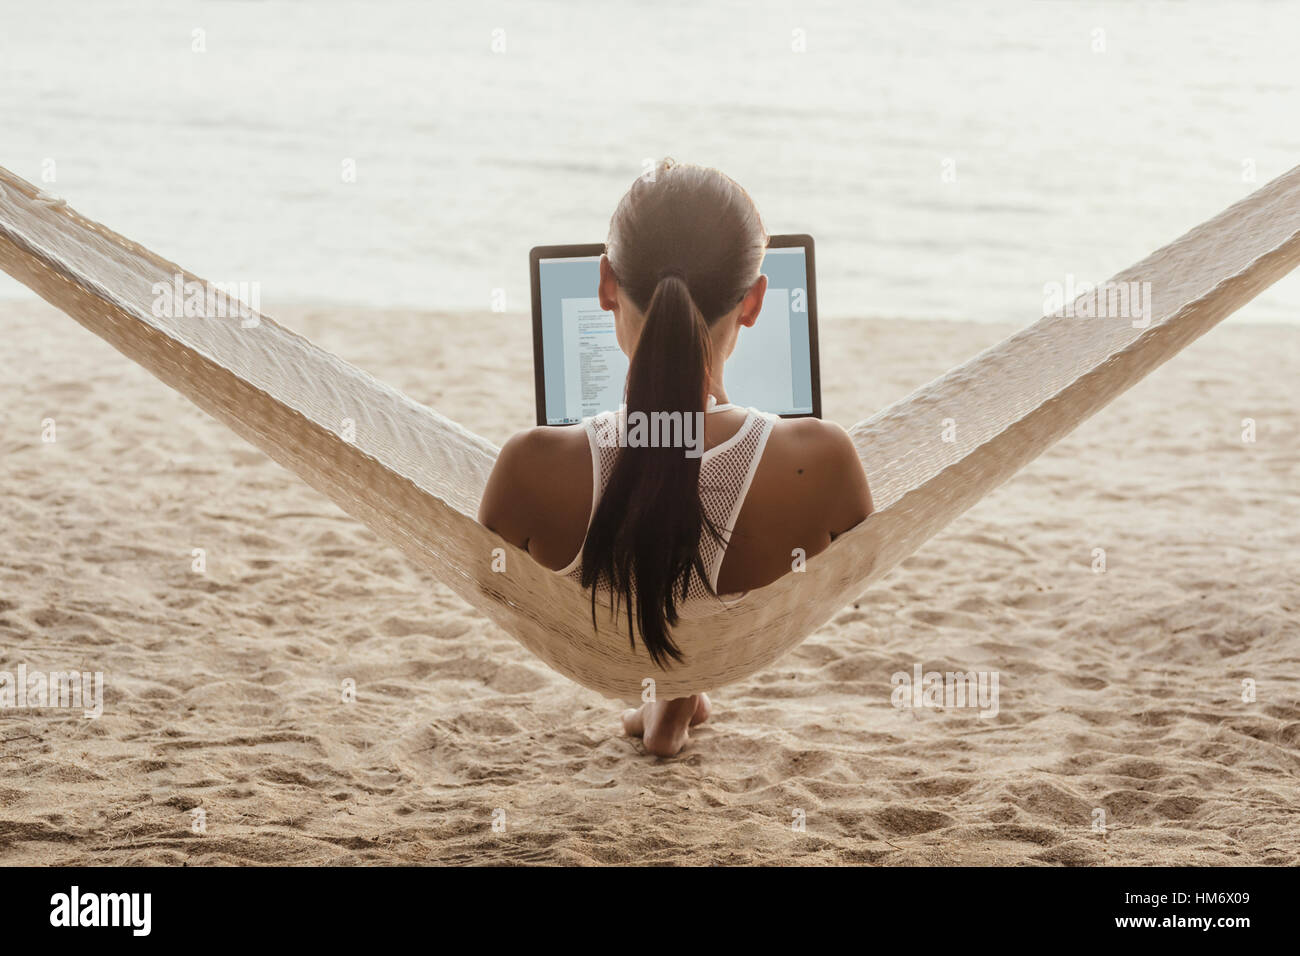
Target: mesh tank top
{"points": [[726, 471]]}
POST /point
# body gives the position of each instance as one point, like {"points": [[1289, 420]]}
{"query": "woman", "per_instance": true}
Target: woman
{"points": [[663, 531]]}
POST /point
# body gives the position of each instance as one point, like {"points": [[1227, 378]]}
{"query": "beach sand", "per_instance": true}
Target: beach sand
{"points": [[1119, 691]]}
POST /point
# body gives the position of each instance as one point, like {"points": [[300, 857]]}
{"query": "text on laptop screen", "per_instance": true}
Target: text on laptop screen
{"points": [[585, 369]]}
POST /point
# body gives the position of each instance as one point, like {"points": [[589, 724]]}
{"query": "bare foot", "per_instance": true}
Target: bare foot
{"points": [[664, 726]]}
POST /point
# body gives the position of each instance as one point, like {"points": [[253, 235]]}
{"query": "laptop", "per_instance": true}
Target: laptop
{"points": [[579, 369]]}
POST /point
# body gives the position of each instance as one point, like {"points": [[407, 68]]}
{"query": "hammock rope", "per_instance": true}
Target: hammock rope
{"points": [[415, 476]]}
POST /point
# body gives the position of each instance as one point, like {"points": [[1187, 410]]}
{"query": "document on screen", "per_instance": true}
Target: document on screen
{"points": [[594, 366]]}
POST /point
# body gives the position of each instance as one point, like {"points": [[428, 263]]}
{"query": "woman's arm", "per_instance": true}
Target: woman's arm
{"points": [[538, 496], [850, 503], [507, 502]]}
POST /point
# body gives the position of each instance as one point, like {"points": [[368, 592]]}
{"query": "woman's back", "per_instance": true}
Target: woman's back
{"points": [[806, 487]]}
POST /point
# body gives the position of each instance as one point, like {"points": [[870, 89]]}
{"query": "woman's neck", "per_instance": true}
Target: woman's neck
{"points": [[716, 388]]}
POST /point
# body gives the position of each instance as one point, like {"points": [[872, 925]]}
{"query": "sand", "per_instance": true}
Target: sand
{"points": [[1120, 691]]}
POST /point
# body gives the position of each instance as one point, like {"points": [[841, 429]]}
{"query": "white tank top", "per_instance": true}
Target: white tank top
{"points": [[726, 472]]}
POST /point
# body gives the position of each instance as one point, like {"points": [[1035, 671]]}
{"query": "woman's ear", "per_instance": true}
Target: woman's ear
{"points": [[752, 303], [607, 290]]}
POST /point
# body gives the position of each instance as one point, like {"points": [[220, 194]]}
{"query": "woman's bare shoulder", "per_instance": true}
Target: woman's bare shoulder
{"points": [[539, 487], [823, 441], [549, 444], [824, 457]]}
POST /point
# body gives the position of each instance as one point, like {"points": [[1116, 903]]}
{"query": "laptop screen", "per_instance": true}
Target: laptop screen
{"points": [[583, 369]]}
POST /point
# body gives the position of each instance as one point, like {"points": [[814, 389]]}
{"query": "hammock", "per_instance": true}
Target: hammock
{"points": [[415, 476]]}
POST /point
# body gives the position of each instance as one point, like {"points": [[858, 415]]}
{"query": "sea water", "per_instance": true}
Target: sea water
{"points": [[952, 160]]}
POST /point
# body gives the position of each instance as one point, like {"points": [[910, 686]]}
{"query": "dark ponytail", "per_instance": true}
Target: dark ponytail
{"points": [[686, 245]]}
